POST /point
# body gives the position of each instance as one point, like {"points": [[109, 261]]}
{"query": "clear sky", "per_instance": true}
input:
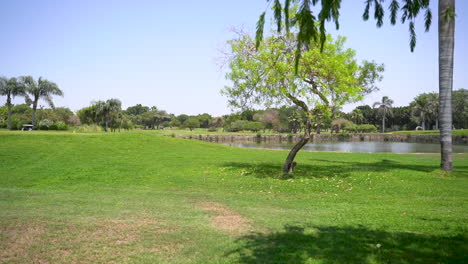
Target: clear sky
{"points": [[163, 53]]}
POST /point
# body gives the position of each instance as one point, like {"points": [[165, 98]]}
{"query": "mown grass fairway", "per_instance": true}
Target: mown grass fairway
{"points": [[143, 198]]}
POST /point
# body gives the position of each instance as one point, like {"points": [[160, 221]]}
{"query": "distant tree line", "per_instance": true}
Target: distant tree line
{"points": [[421, 113]]}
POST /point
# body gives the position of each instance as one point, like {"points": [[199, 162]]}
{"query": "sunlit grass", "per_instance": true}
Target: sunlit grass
{"points": [[135, 197]]}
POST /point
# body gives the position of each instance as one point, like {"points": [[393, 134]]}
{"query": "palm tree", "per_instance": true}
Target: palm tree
{"points": [[357, 117], [42, 89], [384, 108], [11, 88], [434, 108], [105, 110], [420, 109], [446, 49]]}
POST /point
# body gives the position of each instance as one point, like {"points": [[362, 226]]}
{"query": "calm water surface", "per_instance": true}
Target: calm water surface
{"points": [[363, 147]]}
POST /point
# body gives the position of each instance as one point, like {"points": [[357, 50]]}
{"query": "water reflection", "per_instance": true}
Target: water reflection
{"points": [[362, 147]]}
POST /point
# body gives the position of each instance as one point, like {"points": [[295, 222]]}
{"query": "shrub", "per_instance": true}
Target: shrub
{"points": [[367, 128], [236, 126], [74, 120], [61, 126], [212, 129], [351, 129], [45, 124], [338, 124], [253, 126], [16, 124], [54, 126]]}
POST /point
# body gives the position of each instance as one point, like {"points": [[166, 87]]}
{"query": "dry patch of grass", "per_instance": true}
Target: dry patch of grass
{"points": [[91, 240], [17, 241], [225, 219]]}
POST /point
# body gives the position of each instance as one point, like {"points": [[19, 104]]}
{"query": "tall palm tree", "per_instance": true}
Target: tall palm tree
{"points": [[11, 88], [105, 110], [446, 49], [42, 89], [384, 108]]}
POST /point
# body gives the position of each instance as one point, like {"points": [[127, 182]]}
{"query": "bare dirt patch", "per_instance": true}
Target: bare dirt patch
{"points": [[225, 219]]}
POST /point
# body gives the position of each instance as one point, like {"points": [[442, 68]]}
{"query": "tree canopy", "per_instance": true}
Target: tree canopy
{"points": [[326, 77]]}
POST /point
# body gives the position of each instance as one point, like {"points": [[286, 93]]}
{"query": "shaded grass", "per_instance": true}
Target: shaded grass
{"points": [[132, 197], [331, 244]]}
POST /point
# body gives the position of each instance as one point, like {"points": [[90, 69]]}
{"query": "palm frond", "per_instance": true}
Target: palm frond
{"points": [[260, 27], [427, 19], [277, 10], [378, 13], [286, 14], [412, 36], [394, 6]]}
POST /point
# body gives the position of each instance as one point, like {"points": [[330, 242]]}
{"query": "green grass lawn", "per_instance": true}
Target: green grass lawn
{"points": [[140, 197]]}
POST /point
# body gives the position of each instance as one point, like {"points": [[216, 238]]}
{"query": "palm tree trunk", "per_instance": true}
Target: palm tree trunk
{"points": [[383, 124], [446, 49], [9, 112], [33, 121]]}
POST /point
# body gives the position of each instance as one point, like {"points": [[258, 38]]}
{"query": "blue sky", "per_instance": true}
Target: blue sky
{"points": [[163, 53]]}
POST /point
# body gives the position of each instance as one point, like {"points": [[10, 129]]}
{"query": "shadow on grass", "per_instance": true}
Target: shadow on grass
{"points": [[325, 168], [354, 245]]}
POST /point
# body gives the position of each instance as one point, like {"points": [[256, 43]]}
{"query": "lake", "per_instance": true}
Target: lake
{"points": [[362, 147]]}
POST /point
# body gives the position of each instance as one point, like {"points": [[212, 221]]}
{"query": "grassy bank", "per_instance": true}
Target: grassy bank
{"points": [[456, 132], [143, 198]]}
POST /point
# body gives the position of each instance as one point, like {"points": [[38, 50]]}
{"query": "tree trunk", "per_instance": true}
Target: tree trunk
{"points": [[106, 127], [437, 124], [33, 121], [289, 164], [9, 112], [383, 124], [446, 49]]}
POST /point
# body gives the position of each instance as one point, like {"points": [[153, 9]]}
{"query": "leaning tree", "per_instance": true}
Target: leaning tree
{"points": [[266, 76], [11, 88], [40, 89], [312, 30]]}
